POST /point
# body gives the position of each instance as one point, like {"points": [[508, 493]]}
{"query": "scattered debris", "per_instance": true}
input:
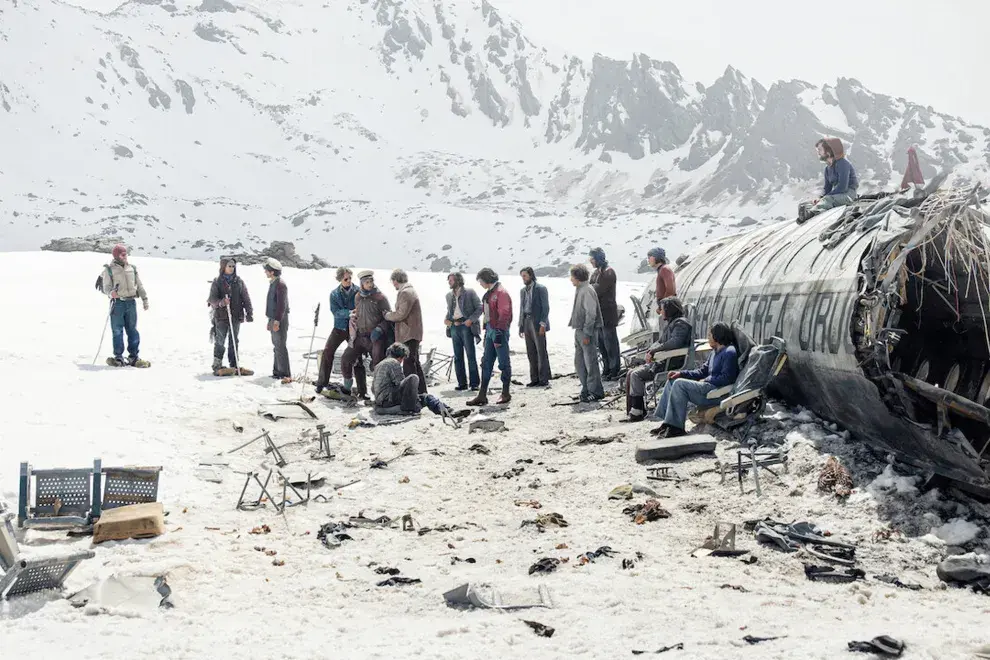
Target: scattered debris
{"points": [[469, 560], [679, 646], [509, 474], [385, 570], [736, 587], [674, 448], [545, 565], [646, 512], [488, 597], [596, 440], [896, 581], [332, 534], [278, 562], [831, 574], [663, 473], [590, 557], [486, 425], [561, 546], [442, 528], [142, 593], [545, 520], [530, 503], [696, 507], [750, 639], [835, 478], [623, 492], [721, 543], [883, 645], [133, 521], [404, 480], [480, 449], [270, 553], [397, 581], [628, 564], [970, 569], [540, 629], [550, 441]]}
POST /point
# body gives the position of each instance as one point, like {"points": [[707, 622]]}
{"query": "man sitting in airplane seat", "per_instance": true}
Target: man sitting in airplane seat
{"points": [[692, 387]]}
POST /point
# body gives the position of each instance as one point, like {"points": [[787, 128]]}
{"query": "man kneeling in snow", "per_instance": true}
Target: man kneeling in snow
{"points": [[394, 392]]}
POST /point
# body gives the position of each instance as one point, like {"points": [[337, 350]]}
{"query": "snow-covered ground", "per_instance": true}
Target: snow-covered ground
{"points": [[231, 601]]}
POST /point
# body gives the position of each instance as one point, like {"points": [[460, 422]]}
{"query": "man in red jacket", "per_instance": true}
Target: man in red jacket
{"points": [[498, 319], [666, 282]]}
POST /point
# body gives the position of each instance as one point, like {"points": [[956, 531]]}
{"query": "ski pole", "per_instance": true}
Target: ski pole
{"points": [[316, 322], [105, 324], [233, 337]]}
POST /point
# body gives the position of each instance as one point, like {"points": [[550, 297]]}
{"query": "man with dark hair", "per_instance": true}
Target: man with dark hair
{"points": [[666, 282], [676, 334], [277, 311], [603, 281], [368, 329], [534, 322], [395, 392], [687, 387], [408, 320], [586, 319], [841, 181], [463, 323], [341, 306], [231, 305], [120, 281], [498, 320]]}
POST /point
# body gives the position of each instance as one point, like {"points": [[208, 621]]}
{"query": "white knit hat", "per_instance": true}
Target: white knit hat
{"points": [[271, 263], [366, 273]]}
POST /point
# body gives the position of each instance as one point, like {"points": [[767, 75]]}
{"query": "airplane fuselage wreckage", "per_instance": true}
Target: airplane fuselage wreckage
{"points": [[884, 306]]}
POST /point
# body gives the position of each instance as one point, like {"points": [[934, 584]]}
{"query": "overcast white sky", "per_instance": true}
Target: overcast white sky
{"points": [[932, 52]]}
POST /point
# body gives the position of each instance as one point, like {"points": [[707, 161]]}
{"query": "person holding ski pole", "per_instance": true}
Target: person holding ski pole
{"points": [[231, 305], [277, 311], [120, 281]]}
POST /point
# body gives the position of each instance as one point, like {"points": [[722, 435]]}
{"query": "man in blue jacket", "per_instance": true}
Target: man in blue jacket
{"points": [[341, 306], [686, 387], [463, 323], [841, 180], [534, 323]]}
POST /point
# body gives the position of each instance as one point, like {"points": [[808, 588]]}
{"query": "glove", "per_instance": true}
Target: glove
{"points": [[146, 305], [222, 303], [249, 319], [376, 334]]}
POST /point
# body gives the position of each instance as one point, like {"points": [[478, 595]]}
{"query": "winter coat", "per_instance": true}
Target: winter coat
{"points": [[125, 277], [586, 317], [369, 313], [408, 315], [498, 308], [341, 306], [676, 335], [603, 281], [666, 282], [470, 308], [540, 307], [277, 305], [840, 176], [387, 379], [721, 369], [240, 300]]}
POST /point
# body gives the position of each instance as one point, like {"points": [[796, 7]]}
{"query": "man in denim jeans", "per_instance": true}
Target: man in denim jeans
{"points": [[463, 323], [498, 320]]}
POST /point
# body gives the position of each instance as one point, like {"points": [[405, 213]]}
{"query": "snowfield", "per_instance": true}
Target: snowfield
{"points": [[232, 602]]}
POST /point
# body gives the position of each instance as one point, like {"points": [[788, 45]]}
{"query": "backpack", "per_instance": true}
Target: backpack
{"points": [[109, 274]]}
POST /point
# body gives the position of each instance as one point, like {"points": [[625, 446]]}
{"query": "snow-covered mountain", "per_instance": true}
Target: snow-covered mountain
{"points": [[420, 133]]}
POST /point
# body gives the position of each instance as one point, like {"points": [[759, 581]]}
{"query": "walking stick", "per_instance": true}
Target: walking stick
{"points": [[105, 325], [316, 322], [233, 337]]}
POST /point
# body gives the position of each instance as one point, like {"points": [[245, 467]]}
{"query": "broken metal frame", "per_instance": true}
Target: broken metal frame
{"points": [[280, 506], [663, 473], [323, 438], [756, 460], [270, 447]]}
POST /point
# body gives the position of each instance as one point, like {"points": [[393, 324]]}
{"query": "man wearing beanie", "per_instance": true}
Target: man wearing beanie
{"points": [[123, 284], [277, 311], [231, 306], [603, 282], [369, 334]]}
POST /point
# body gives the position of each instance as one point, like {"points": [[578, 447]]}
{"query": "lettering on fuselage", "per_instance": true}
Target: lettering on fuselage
{"points": [[815, 321]]}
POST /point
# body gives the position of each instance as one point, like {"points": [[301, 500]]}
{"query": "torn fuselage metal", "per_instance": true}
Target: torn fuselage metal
{"points": [[884, 307]]}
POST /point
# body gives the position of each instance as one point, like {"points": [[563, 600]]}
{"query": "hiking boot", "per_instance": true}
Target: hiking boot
{"points": [[135, 361], [460, 388], [217, 365], [673, 432], [534, 383], [115, 361], [505, 398], [480, 400], [633, 419], [658, 431]]}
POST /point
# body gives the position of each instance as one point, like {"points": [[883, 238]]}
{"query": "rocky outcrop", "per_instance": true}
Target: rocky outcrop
{"points": [[285, 252], [93, 243]]}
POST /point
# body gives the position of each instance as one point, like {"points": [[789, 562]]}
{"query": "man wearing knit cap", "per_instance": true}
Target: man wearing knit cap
{"points": [[277, 311], [666, 283], [231, 305], [123, 284], [603, 281], [369, 334]]}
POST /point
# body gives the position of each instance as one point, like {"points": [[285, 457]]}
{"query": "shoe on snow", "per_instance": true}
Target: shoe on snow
{"points": [[116, 362], [233, 371], [139, 363]]}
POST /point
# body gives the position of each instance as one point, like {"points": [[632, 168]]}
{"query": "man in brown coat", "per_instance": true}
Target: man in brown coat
{"points": [[408, 320], [603, 282], [369, 331]]}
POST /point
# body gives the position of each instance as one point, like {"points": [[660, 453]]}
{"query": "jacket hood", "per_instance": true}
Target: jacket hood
{"points": [[835, 144], [598, 255], [223, 265]]}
